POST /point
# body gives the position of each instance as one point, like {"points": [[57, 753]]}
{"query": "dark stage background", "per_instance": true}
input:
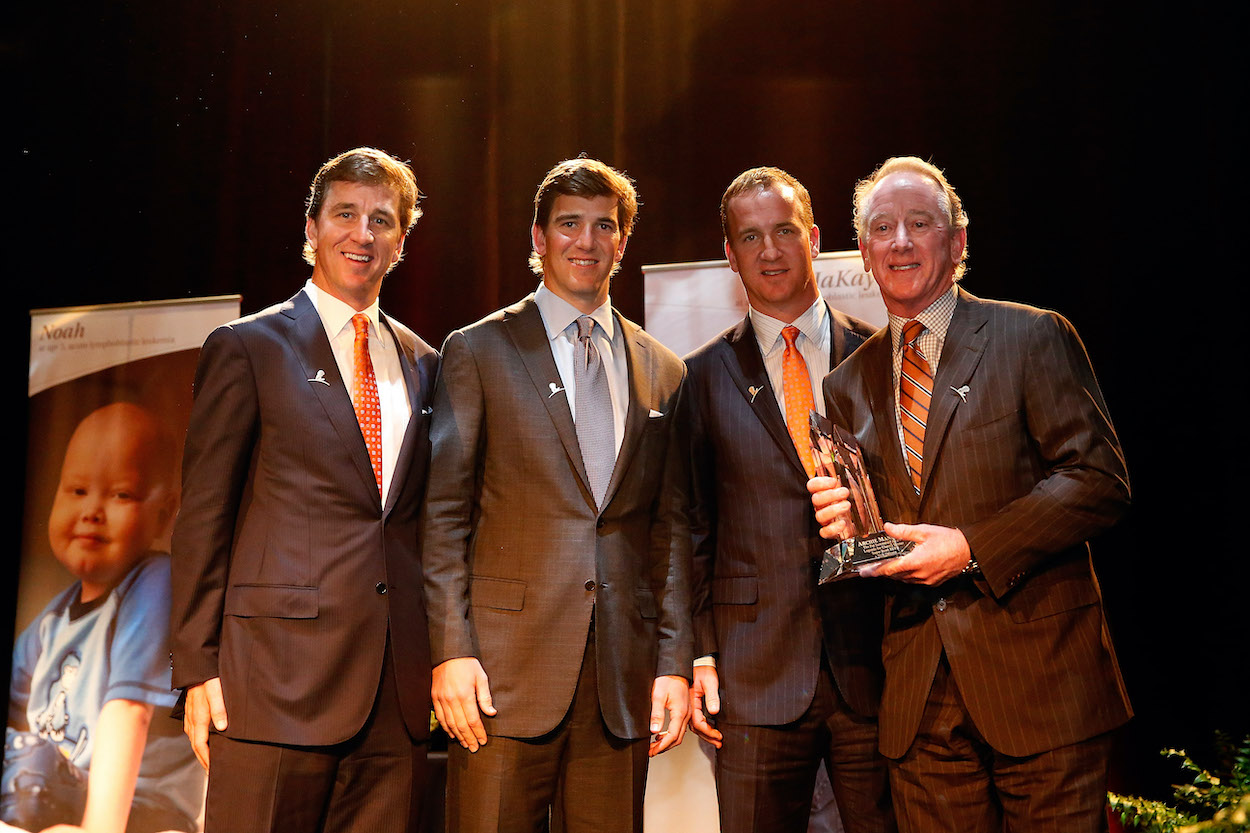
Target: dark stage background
{"points": [[163, 150]]}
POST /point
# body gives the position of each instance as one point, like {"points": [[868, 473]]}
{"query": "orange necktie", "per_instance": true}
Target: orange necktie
{"points": [[796, 386], [915, 389], [365, 396]]}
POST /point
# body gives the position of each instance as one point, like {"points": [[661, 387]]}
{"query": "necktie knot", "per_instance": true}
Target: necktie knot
{"points": [[911, 331], [585, 326], [790, 334], [360, 323]]}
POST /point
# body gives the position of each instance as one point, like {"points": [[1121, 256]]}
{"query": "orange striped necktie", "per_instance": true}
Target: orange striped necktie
{"points": [[915, 390], [365, 396], [796, 386]]}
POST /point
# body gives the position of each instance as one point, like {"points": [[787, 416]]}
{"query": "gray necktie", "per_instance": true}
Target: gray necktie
{"points": [[595, 431]]}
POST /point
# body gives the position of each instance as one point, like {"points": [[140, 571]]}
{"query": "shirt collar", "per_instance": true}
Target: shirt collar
{"points": [[558, 313], [936, 318], [336, 314], [813, 323]]}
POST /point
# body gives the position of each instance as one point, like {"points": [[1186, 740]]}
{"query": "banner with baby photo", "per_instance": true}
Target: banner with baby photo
{"points": [[88, 732]]}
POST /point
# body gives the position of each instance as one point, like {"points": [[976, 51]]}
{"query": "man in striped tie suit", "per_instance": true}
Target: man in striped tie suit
{"points": [[989, 446]]}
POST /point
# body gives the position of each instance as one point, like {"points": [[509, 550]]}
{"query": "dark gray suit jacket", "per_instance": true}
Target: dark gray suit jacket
{"points": [[757, 545], [517, 554], [287, 569], [1026, 463]]}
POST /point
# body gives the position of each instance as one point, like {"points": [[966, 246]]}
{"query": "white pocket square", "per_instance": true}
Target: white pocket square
{"points": [[654, 414]]}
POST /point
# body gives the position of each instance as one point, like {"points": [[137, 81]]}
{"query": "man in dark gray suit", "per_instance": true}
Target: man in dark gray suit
{"points": [[298, 631], [784, 693], [989, 446], [556, 546]]}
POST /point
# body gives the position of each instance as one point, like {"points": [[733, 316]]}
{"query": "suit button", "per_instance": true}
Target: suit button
{"points": [[941, 605], [380, 587], [599, 523], [590, 584]]}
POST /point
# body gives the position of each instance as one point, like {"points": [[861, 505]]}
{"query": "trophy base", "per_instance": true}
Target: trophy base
{"points": [[844, 559]]}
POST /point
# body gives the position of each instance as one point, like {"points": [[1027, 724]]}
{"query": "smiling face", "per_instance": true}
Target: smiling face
{"points": [[114, 497], [357, 238], [771, 249], [908, 243], [580, 247]]}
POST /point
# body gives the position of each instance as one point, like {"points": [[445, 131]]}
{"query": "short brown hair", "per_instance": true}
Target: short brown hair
{"points": [[583, 177], [368, 166], [762, 179]]}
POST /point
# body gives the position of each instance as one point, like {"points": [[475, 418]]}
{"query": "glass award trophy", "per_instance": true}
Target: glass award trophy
{"points": [[837, 454]]}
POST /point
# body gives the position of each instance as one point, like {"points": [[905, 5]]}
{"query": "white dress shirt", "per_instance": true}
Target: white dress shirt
{"points": [[812, 343]]}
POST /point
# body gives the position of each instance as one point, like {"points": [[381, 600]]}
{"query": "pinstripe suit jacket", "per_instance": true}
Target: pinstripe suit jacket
{"points": [[282, 542], [1028, 467], [516, 553], [756, 603]]}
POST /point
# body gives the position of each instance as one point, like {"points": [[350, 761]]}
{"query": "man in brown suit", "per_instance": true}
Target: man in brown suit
{"points": [[1001, 683], [298, 632], [556, 548]]}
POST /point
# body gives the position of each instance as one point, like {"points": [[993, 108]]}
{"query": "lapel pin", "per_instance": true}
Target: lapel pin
{"points": [[320, 377], [962, 391], [554, 389], [754, 391]]}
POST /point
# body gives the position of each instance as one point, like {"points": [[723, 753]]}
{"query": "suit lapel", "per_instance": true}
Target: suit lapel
{"points": [[310, 345], [524, 325], [413, 384], [751, 378], [961, 353], [639, 361], [843, 341]]}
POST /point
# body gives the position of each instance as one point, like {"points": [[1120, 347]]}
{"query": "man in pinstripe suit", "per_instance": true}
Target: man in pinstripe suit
{"points": [[1001, 681], [783, 696]]}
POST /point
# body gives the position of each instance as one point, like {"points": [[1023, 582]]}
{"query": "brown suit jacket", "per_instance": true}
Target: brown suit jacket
{"points": [[1026, 463], [756, 545], [516, 553], [287, 569]]}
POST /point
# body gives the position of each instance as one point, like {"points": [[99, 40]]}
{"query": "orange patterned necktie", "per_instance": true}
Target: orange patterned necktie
{"points": [[796, 386], [915, 389], [365, 396]]}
